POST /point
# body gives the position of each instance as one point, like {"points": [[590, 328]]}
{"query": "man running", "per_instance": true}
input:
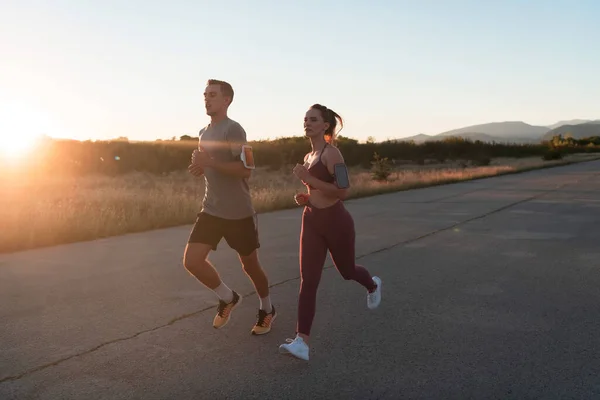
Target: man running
{"points": [[227, 210]]}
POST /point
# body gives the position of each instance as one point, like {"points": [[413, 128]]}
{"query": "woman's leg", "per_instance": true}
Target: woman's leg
{"points": [[341, 242], [313, 251], [312, 257]]}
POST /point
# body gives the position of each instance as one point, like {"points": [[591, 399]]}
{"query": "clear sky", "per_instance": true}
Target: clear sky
{"points": [[104, 68]]}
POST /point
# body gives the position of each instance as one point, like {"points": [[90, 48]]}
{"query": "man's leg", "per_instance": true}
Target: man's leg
{"points": [[195, 261], [259, 279], [205, 236], [242, 236]]}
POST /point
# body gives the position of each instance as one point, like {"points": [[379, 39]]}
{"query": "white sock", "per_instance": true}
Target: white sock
{"points": [[265, 304], [224, 293]]}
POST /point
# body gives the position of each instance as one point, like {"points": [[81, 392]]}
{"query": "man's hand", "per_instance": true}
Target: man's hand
{"points": [[196, 170], [201, 158], [301, 198]]}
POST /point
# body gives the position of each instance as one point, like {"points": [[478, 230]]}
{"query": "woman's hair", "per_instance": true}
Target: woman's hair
{"points": [[332, 118]]}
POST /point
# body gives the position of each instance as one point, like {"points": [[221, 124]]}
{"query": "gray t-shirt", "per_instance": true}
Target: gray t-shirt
{"points": [[226, 196]]}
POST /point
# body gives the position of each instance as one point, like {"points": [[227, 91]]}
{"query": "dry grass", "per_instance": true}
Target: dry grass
{"points": [[51, 211]]}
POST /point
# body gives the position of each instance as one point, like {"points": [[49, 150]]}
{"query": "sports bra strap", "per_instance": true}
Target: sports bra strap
{"points": [[322, 151]]}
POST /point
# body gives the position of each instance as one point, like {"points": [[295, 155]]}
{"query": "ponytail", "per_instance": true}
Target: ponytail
{"points": [[332, 118]]}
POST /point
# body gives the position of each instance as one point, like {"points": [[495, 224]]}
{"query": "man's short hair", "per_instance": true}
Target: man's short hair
{"points": [[226, 88]]}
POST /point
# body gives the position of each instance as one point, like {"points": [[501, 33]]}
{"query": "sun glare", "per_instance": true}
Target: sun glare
{"points": [[20, 132], [16, 147]]}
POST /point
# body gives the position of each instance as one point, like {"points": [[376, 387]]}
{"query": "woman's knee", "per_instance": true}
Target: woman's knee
{"points": [[309, 283], [347, 272], [308, 290]]}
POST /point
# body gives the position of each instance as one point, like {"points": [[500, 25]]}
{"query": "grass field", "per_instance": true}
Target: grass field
{"points": [[55, 210]]}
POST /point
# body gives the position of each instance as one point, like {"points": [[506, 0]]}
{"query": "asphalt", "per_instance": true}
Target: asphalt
{"points": [[491, 290]]}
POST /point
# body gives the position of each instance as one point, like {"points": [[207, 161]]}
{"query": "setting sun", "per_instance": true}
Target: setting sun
{"points": [[16, 146], [21, 128]]}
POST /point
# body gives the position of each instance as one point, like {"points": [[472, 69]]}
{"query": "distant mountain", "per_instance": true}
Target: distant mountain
{"points": [[420, 138], [502, 132], [474, 136], [576, 131], [498, 139], [508, 129], [507, 132], [569, 122]]}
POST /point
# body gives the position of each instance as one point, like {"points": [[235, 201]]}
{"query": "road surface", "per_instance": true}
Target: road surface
{"points": [[491, 289]]}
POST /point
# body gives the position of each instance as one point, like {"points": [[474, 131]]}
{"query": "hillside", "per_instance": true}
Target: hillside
{"points": [[578, 131], [474, 136], [506, 132], [500, 132], [569, 122], [498, 139], [420, 138], [508, 129]]}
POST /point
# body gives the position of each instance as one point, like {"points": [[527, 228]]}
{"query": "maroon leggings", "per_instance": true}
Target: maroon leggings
{"points": [[323, 229]]}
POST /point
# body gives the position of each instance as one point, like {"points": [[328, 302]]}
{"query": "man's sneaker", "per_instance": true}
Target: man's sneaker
{"points": [[374, 298], [265, 320], [224, 311], [296, 347]]}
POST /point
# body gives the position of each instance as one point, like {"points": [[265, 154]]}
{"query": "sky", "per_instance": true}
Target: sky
{"points": [[88, 69]]}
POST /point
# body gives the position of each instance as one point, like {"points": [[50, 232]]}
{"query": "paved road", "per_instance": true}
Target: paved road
{"points": [[491, 290]]}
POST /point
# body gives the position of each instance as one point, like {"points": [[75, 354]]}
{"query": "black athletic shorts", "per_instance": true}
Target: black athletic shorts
{"points": [[240, 234]]}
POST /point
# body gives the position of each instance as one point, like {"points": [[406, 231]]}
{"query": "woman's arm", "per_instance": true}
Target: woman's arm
{"points": [[332, 157]]}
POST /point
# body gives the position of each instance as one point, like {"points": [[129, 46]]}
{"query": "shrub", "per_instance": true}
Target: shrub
{"points": [[552, 154], [381, 168], [481, 160]]}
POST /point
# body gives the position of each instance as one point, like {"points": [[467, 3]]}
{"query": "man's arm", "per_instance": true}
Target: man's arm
{"points": [[236, 138], [234, 168], [332, 157]]}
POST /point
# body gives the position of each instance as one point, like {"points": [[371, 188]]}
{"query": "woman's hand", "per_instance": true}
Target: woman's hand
{"points": [[301, 198], [301, 172]]}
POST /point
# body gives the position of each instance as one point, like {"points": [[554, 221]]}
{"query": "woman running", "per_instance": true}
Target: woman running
{"points": [[326, 224]]}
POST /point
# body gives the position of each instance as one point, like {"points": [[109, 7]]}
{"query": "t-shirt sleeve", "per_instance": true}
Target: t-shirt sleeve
{"points": [[236, 137], [200, 137]]}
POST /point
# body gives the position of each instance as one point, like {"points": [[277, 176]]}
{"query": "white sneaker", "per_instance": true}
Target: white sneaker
{"points": [[373, 299], [296, 347]]}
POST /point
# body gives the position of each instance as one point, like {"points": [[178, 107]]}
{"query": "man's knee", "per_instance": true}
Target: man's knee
{"points": [[250, 262], [195, 255]]}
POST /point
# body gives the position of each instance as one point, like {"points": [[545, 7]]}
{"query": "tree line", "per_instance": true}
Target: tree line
{"points": [[121, 156]]}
